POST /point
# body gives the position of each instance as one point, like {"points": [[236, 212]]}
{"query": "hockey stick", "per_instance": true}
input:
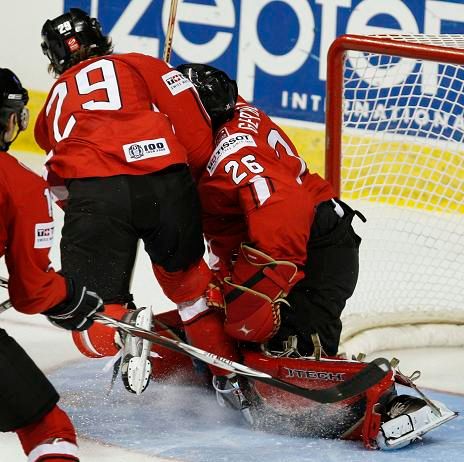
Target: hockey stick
{"points": [[373, 373], [170, 31], [6, 305]]}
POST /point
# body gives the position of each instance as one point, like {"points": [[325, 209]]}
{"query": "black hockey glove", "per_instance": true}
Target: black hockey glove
{"points": [[75, 313]]}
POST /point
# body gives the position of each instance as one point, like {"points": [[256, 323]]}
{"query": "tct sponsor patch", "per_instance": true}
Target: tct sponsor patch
{"points": [[176, 82], [146, 149], [43, 235], [229, 145]]}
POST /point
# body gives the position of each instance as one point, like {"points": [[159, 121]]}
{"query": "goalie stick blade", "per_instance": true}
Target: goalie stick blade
{"points": [[373, 373]]}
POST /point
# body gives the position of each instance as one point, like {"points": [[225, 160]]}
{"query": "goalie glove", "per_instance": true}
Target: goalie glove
{"points": [[254, 292], [76, 312]]}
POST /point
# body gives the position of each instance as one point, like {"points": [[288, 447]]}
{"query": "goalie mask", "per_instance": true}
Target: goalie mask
{"points": [[13, 99], [72, 37], [217, 91]]}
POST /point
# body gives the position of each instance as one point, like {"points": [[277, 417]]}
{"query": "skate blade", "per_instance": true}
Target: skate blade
{"points": [[247, 416], [136, 374]]}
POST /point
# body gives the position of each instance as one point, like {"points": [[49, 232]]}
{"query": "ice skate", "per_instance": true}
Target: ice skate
{"points": [[230, 393], [136, 365], [407, 418]]}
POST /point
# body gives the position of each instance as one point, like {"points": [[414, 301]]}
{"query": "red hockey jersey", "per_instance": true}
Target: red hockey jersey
{"points": [[257, 189], [26, 233], [122, 114]]}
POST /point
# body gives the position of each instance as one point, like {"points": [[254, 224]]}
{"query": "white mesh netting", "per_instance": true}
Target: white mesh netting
{"points": [[402, 165]]}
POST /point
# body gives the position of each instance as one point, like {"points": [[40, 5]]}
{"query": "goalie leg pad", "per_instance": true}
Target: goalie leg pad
{"points": [[26, 394], [253, 294], [348, 419], [170, 365], [207, 332]]}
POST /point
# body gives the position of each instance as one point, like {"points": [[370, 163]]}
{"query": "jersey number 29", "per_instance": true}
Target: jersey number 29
{"points": [[84, 87]]}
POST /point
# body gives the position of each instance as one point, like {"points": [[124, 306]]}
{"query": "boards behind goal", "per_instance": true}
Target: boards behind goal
{"points": [[395, 151]]}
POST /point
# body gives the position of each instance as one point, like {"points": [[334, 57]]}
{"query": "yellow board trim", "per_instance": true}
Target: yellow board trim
{"points": [[310, 144], [403, 173]]}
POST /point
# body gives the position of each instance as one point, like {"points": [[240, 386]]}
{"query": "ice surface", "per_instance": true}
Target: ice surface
{"points": [[185, 423], [179, 423]]}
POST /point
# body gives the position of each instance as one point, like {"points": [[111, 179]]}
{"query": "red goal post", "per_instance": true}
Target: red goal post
{"points": [[395, 151]]}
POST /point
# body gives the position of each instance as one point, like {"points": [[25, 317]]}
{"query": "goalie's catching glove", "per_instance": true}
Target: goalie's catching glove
{"points": [[254, 292], [76, 312]]}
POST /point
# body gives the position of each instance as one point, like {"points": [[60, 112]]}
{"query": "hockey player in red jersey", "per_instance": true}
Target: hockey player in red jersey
{"points": [[280, 242], [118, 130], [29, 400], [283, 247]]}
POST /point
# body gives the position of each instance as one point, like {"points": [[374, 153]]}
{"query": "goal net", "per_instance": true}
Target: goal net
{"points": [[395, 152]]}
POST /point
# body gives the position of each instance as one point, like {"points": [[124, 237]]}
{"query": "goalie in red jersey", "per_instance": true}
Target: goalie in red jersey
{"points": [[284, 250], [280, 242]]}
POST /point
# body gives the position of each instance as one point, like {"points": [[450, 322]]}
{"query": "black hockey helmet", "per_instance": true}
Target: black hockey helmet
{"points": [[70, 33], [13, 99], [217, 91]]}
